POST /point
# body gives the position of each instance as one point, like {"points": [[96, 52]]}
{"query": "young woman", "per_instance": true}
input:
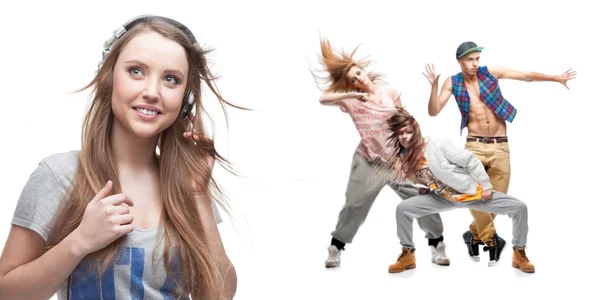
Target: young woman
{"points": [[369, 103], [131, 214], [454, 178]]}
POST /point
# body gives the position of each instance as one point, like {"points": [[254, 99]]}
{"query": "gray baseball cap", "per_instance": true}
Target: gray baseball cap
{"points": [[466, 48]]}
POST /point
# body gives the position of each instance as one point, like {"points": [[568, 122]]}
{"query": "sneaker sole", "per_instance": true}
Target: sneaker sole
{"points": [[444, 263], [522, 270], [475, 258], [331, 265], [493, 263], [402, 270]]}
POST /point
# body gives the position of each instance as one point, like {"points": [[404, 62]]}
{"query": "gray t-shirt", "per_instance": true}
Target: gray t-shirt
{"points": [[134, 275]]}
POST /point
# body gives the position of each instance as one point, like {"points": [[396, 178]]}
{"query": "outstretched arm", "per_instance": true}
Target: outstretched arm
{"points": [[331, 99], [502, 72], [437, 102]]}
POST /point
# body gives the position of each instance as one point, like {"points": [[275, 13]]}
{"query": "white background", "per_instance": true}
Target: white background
{"points": [[295, 154]]}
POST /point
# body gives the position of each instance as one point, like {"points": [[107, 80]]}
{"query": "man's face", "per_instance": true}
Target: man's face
{"points": [[470, 63]]}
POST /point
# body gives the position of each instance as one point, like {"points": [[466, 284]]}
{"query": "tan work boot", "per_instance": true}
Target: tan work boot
{"points": [[521, 262], [406, 261]]}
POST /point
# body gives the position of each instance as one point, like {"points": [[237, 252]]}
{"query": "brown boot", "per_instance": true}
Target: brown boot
{"points": [[521, 262], [405, 261]]}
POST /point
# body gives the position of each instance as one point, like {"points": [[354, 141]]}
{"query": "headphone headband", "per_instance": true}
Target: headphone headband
{"points": [[117, 33]]}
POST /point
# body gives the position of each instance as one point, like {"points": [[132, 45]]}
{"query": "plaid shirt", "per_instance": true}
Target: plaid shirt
{"points": [[490, 94]]}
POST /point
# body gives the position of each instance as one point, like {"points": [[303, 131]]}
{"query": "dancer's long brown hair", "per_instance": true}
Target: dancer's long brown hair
{"points": [[179, 160], [337, 65], [409, 158]]}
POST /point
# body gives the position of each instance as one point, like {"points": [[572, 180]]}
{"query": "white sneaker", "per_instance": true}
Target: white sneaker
{"points": [[438, 255], [333, 260]]}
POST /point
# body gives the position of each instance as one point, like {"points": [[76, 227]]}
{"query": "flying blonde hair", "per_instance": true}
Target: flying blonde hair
{"points": [[336, 65]]}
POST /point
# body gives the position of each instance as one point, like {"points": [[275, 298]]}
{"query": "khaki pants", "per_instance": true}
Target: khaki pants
{"points": [[495, 158]]}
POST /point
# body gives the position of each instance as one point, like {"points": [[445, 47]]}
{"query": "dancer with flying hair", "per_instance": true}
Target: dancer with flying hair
{"points": [[369, 102], [455, 178]]}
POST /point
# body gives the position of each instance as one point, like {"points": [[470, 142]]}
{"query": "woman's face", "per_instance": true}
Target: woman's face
{"points": [[405, 135], [358, 77], [149, 81]]}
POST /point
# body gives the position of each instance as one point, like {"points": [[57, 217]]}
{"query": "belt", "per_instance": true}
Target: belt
{"points": [[488, 140]]}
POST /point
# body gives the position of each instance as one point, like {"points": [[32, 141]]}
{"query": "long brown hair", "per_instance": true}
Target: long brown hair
{"points": [[178, 161], [409, 158], [337, 65]]}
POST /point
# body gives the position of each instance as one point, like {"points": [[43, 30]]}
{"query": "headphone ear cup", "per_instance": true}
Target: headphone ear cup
{"points": [[188, 104]]}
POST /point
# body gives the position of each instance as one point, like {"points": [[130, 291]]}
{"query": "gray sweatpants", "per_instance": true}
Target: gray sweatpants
{"points": [[361, 192], [430, 203]]}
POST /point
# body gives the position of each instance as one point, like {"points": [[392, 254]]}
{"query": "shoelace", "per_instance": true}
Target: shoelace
{"points": [[404, 253], [523, 256], [492, 254]]}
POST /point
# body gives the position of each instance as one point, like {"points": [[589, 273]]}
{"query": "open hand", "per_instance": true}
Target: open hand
{"points": [[431, 75], [566, 76]]}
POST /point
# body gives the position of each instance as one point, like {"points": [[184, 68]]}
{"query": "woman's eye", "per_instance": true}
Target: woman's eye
{"points": [[172, 79], [135, 71]]}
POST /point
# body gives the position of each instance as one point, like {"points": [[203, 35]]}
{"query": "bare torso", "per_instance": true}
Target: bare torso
{"points": [[482, 121]]}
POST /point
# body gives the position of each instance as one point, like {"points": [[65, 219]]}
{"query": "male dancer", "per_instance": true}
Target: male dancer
{"points": [[484, 112]]}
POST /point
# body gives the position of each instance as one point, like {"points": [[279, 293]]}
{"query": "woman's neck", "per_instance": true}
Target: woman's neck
{"points": [[372, 88], [133, 152]]}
